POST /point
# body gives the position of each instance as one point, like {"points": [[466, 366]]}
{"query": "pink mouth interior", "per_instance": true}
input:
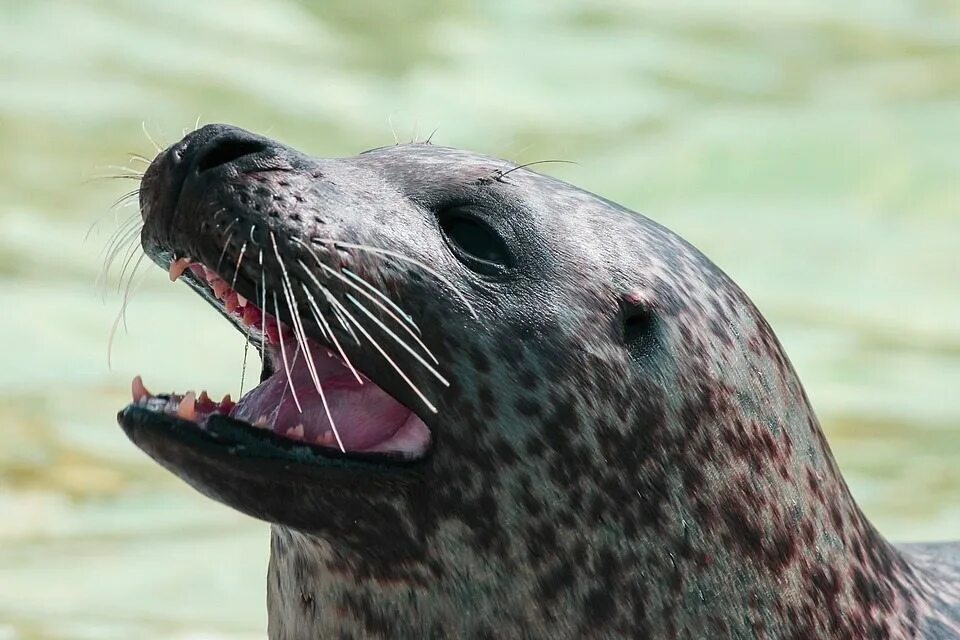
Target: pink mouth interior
{"points": [[345, 411], [364, 417]]}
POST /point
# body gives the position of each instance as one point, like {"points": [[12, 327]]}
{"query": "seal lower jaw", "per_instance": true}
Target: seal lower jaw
{"points": [[311, 396]]}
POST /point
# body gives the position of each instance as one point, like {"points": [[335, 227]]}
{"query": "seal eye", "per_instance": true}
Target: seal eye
{"points": [[473, 241]]}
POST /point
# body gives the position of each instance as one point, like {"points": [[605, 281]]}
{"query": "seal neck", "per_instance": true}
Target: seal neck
{"points": [[718, 512]]}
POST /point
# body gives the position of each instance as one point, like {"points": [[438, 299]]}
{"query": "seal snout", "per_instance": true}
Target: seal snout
{"points": [[210, 148], [234, 216]]}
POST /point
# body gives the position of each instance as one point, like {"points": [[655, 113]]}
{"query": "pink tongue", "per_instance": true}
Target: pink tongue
{"points": [[364, 415]]}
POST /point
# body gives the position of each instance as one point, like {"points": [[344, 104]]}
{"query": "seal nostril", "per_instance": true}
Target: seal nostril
{"points": [[225, 151]]}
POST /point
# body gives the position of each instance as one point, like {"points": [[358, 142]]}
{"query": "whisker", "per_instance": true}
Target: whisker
{"points": [[128, 170], [223, 253], [400, 312], [127, 293], [102, 276], [400, 256], [397, 339], [318, 315], [236, 271], [112, 176], [263, 310], [229, 226], [120, 235], [396, 138], [311, 367], [243, 370], [346, 326], [283, 394], [325, 331], [131, 220], [120, 315], [302, 338], [378, 303], [504, 174], [131, 252], [283, 353], [125, 199], [143, 125], [336, 312], [122, 241], [386, 357], [93, 226], [139, 158], [134, 217]]}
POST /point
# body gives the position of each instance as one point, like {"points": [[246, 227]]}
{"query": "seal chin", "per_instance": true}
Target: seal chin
{"points": [[314, 413], [264, 475]]}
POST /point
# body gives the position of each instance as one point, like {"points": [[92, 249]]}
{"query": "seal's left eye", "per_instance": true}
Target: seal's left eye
{"points": [[473, 241]]}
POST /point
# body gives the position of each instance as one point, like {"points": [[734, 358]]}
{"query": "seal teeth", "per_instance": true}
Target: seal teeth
{"points": [[226, 405], [220, 287], [296, 432], [140, 392], [187, 408], [177, 267]]}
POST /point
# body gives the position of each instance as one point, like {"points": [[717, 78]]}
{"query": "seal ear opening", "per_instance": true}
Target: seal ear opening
{"points": [[641, 330]]}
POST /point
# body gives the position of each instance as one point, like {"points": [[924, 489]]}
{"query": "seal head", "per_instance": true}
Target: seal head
{"points": [[495, 405]]}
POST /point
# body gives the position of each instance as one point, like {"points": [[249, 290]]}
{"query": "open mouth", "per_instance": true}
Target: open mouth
{"points": [[310, 395]]}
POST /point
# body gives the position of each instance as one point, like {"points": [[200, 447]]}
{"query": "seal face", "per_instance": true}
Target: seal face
{"points": [[495, 405]]}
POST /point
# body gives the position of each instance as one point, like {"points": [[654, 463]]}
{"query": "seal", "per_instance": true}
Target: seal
{"points": [[496, 405]]}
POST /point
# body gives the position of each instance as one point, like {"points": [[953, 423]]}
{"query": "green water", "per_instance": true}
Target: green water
{"points": [[809, 147]]}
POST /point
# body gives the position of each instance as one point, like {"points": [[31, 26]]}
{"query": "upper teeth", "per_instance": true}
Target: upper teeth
{"points": [[139, 391], [234, 303], [190, 406], [177, 267], [219, 287]]}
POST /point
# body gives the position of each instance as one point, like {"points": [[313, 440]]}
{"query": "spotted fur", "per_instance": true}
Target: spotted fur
{"points": [[625, 450]]}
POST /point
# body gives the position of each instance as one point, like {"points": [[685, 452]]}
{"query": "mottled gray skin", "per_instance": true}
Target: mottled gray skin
{"points": [[625, 450]]}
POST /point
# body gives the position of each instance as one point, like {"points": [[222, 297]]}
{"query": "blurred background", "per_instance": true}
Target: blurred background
{"points": [[808, 146]]}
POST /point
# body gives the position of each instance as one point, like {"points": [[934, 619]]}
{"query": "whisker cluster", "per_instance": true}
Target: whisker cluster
{"points": [[301, 287], [123, 247], [301, 337]]}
